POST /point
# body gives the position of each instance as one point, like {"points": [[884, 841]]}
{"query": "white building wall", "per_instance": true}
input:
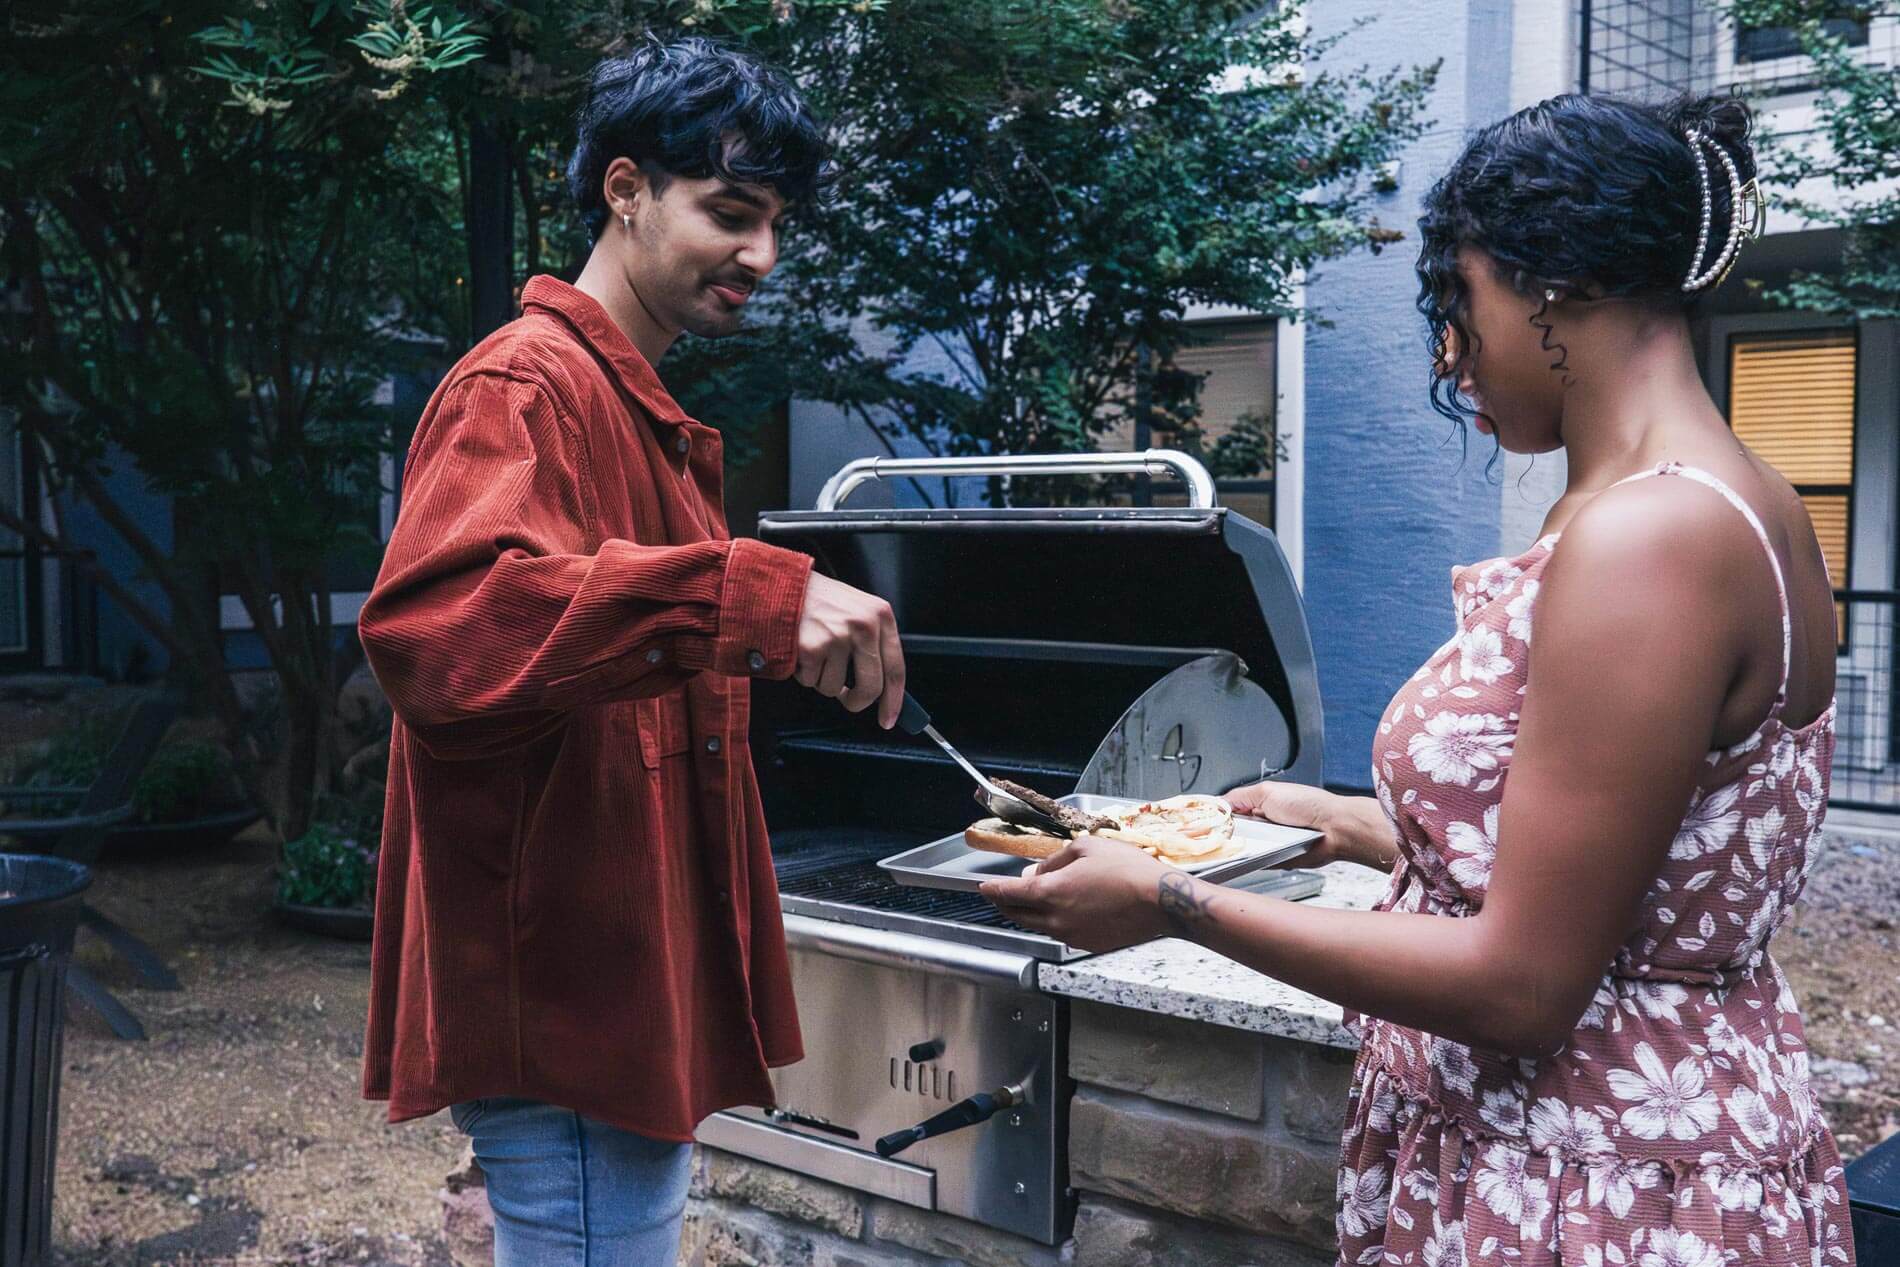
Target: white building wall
{"points": [[1544, 63]]}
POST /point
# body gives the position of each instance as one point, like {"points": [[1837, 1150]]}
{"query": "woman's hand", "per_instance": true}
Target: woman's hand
{"points": [[1094, 895], [1356, 828]]}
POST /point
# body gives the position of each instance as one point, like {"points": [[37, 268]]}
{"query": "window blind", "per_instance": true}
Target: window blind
{"points": [[1238, 362], [1791, 400]]}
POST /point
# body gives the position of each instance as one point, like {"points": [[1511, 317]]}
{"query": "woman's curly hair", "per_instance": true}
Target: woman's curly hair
{"points": [[1572, 193]]}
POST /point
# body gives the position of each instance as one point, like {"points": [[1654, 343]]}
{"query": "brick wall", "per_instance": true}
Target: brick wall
{"points": [[1191, 1145]]}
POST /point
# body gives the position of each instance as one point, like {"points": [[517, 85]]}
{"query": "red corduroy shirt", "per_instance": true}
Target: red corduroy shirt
{"points": [[575, 901]]}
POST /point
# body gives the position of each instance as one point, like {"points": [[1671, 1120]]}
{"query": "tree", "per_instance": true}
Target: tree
{"points": [[1858, 117], [223, 225], [221, 222], [205, 283], [1038, 192]]}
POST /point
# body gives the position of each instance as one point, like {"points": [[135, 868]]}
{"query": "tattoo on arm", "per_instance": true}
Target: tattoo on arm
{"points": [[1187, 913]]}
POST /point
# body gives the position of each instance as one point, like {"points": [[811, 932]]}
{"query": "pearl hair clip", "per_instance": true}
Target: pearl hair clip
{"points": [[1744, 225]]}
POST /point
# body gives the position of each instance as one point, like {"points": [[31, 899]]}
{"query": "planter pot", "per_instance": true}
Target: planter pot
{"points": [[347, 923], [203, 832]]}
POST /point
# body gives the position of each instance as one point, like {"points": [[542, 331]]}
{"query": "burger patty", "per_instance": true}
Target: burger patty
{"points": [[1075, 820]]}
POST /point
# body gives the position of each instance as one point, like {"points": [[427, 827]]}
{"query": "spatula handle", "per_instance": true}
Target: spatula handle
{"points": [[911, 720]]}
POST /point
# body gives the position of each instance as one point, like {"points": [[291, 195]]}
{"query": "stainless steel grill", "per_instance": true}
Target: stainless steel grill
{"points": [[1136, 652]]}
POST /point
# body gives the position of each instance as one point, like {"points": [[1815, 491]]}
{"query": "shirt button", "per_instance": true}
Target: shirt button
{"points": [[712, 745], [683, 444], [755, 660], [725, 897], [655, 656]]}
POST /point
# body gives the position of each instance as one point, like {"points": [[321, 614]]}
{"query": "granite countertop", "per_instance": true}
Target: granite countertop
{"points": [[1179, 978]]}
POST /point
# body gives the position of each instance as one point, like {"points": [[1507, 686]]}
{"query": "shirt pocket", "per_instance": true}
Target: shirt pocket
{"points": [[664, 729], [720, 705]]}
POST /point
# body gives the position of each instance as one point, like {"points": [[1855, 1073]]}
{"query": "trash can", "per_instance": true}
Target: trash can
{"points": [[1873, 1197], [39, 911]]}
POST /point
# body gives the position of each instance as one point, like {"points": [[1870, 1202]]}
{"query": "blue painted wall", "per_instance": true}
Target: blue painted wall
{"points": [[1393, 500], [126, 650]]}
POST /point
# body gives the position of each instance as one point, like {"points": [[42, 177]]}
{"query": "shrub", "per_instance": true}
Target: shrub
{"points": [[182, 781], [332, 864]]}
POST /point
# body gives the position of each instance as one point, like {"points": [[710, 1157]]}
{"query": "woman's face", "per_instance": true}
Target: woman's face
{"points": [[1508, 375]]}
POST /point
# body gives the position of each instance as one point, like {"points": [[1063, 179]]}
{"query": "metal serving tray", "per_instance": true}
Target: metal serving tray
{"points": [[951, 864]]}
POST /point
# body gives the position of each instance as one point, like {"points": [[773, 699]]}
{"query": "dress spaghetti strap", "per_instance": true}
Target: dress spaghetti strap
{"points": [[1734, 499]]}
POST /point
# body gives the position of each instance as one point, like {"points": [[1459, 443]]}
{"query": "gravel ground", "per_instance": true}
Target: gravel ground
{"points": [[236, 1134], [1841, 952]]}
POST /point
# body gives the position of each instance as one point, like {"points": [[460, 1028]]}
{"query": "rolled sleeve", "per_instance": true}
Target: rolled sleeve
{"points": [[759, 609]]}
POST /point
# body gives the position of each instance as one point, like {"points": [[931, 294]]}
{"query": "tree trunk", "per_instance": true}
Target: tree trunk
{"points": [[490, 214], [306, 761]]}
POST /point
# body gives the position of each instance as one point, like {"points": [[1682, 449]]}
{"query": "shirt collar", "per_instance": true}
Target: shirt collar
{"points": [[597, 330]]}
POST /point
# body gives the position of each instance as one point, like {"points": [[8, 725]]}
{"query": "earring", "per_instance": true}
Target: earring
{"points": [[1550, 295], [626, 221]]}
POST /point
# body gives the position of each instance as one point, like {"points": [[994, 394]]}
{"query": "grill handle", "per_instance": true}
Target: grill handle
{"points": [[967, 1112], [1199, 483], [888, 949]]}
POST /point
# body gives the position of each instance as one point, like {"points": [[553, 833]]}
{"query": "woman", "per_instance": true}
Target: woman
{"points": [[1576, 1048]]}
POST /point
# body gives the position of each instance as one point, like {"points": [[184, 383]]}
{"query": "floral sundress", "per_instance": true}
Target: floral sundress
{"points": [[1676, 1128]]}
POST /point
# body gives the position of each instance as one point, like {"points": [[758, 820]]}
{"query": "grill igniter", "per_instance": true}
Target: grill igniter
{"points": [[966, 1112]]}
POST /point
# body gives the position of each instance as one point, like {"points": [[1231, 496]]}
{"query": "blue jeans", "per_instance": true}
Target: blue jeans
{"points": [[569, 1191]]}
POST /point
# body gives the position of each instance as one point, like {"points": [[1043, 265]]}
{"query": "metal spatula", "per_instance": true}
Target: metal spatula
{"points": [[915, 721]]}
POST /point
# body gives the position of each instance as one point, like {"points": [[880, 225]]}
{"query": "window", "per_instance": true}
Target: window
{"points": [[1645, 49], [1234, 432], [1791, 400], [1763, 43], [1236, 423]]}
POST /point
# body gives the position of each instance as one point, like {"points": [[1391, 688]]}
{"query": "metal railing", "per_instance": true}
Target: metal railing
{"points": [[1644, 48], [1650, 49], [76, 596], [1867, 718]]}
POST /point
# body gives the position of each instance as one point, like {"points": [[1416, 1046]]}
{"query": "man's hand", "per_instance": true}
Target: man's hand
{"points": [[848, 649]]}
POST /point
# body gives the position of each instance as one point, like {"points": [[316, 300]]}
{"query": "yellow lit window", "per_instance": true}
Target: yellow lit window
{"points": [[1791, 400]]}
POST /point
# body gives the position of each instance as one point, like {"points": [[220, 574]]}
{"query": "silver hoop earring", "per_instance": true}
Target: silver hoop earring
{"points": [[626, 221]]}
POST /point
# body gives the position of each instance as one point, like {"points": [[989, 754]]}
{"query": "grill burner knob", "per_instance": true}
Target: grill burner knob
{"points": [[978, 1108], [924, 1053]]}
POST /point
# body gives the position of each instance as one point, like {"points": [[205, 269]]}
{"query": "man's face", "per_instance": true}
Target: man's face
{"points": [[697, 251]]}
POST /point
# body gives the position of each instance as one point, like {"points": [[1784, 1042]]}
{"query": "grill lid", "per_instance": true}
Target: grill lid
{"points": [[1203, 728], [1031, 631]]}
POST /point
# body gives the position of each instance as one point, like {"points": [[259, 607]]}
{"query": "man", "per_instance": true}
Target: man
{"points": [[578, 946]]}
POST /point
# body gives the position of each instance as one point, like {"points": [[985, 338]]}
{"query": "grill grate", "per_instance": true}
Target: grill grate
{"points": [[841, 867]]}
